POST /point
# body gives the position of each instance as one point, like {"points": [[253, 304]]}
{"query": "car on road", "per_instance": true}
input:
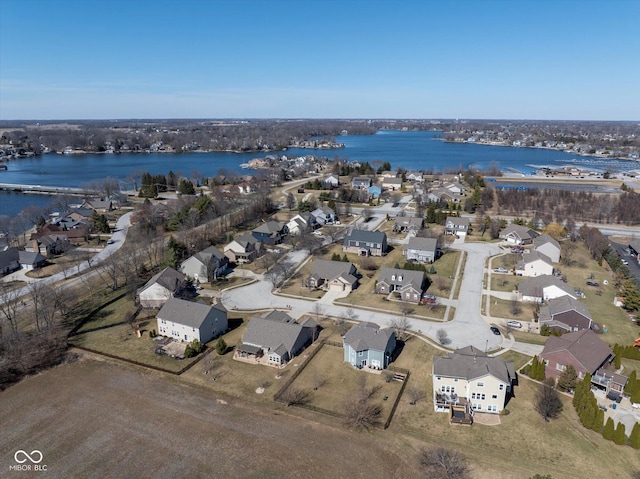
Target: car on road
{"points": [[495, 331], [500, 270], [110, 241], [592, 283], [625, 262], [514, 324]]}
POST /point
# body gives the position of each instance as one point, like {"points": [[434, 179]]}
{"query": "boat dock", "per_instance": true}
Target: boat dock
{"points": [[50, 190]]}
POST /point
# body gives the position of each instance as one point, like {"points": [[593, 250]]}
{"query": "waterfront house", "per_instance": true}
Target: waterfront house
{"points": [[365, 243], [206, 265], [365, 345], [391, 184], [187, 320], [407, 283], [360, 183], [30, 260], [9, 261], [422, 250], [469, 380], [168, 283]]}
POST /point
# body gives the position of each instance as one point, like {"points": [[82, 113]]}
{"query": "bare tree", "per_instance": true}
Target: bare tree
{"points": [[293, 396], [401, 325], [443, 336], [367, 214], [441, 463], [547, 401], [318, 310], [415, 394], [9, 307]]}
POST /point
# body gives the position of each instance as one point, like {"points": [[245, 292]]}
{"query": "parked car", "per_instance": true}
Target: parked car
{"points": [[429, 299], [495, 331], [514, 324], [500, 270], [592, 283], [517, 249], [110, 241], [625, 262]]}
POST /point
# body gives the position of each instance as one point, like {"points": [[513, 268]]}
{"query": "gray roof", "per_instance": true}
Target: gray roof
{"points": [[407, 221], [566, 303], [185, 312], [523, 232], [8, 257], [246, 239], [272, 334], [534, 255], [368, 236], [270, 227], [470, 363], [392, 181], [533, 286], [458, 220], [409, 277], [365, 336], [422, 244], [30, 257], [544, 239], [588, 349], [169, 278], [280, 316], [327, 269]]}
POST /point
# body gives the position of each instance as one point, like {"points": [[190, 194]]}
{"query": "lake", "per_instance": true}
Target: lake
{"points": [[413, 150]]}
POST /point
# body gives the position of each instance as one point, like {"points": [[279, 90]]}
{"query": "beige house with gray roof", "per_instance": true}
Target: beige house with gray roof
{"points": [[543, 288], [168, 283], [187, 321], [470, 379], [409, 284], [332, 275]]}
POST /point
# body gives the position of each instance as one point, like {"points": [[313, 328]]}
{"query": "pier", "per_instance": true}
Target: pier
{"points": [[48, 190]]}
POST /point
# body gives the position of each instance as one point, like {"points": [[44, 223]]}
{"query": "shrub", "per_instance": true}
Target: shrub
{"points": [[221, 346]]}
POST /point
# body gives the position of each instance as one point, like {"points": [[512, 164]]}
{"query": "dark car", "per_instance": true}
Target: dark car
{"points": [[592, 283], [495, 330]]}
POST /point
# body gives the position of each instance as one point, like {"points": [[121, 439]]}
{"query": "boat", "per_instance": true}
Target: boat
{"points": [[3, 166]]}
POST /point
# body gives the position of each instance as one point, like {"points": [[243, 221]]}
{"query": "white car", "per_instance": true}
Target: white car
{"points": [[514, 324]]}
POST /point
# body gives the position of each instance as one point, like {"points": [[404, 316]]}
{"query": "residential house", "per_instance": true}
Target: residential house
{"points": [[439, 195], [168, 283], [469, 380], [331, 181], [374, 191], [365, 243], [30, 260], [270, 233], [205, 266], [48, 245], [415, 176], [454, 188], [9, 261], [542, 288], [277, 338], [583, 350], [360, 183], [332, 275], [422, 250], [367, 346], [409, 284], [244, 188], [392, 184], [324, 215], [75, 235], [565, 314], [534, 264], [188, 321], [455, 225], [518, 234], [301, 223], [548, 246], [243, 249], [98, 205], [404, 224]]}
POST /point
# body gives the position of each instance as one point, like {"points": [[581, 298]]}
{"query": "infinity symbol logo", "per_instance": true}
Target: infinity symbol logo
{"points": [[27, 456]]}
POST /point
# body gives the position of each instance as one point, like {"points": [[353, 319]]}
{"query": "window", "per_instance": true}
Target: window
{"points": [[581, 375], [492, 408], [494, 396], [560, 367], [477, 396], [360, 353], [455, 380], [546, 362], [501, 387], [393, 277], [480, 384], [438, 378], [477, 407], [448, 389]]}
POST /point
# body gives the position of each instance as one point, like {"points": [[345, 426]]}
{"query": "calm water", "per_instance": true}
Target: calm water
{"points": [[410, 150]]}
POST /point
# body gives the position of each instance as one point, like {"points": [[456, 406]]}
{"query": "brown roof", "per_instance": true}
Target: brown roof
{"points": [[585, 346]]}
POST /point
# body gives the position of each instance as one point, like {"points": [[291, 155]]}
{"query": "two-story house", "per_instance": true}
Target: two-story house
{"points": [[360, 183], [457, 226], [471, 380], [365, 345], [422, 250], [271, 232], [365, 243], [409, 284], [205, 266], [188, 321]]}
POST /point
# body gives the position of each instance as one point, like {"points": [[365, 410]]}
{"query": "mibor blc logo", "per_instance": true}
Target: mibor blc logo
{"points": [[28, 461]]}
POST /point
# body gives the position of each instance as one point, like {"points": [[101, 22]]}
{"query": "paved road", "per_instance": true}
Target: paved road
{"points": [[467, 328]]}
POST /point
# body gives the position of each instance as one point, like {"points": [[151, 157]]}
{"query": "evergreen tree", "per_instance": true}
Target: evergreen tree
{"points": [[634, 438], [609, 430], [567, 379], [344, 258], [185, 187], [619, 437], [598, 424], [631, 385]]}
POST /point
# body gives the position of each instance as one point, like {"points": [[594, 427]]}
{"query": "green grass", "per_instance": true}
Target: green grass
{"points": [[630, 365]]}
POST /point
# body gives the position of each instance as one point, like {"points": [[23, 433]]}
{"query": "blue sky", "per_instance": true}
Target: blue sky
{"points": [[67, 59]]}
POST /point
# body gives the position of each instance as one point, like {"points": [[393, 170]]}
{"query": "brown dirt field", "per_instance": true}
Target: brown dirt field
{"points": [[97, 419]]}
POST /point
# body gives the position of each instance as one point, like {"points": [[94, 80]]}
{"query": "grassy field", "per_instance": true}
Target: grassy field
{"points": [[630, 365], [501, 308]]}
